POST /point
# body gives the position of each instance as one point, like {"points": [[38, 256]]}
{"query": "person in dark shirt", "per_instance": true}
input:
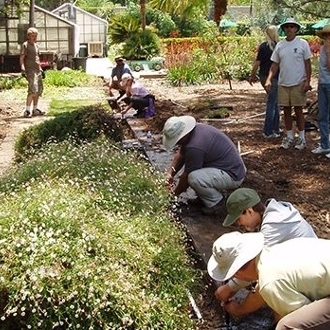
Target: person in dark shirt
{"points": [[117, 73], [263, 62], [211, 161]]}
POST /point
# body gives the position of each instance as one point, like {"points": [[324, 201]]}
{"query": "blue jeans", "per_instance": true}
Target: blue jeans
{"points": [[324, 114], [272, 118]]}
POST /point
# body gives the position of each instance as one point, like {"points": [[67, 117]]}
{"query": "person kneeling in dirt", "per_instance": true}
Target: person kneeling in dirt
{"points": [[278, 221], [293, 276], [211, 161], [117, 73], [137, 97]]}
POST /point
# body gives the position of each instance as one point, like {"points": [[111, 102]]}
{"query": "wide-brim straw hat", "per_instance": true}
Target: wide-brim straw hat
{"points": [[323, 31]]}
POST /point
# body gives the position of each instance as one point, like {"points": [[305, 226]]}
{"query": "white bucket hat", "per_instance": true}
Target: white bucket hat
{"points": [[290, 20], [125, 78], [231, 251], [176, 128]]}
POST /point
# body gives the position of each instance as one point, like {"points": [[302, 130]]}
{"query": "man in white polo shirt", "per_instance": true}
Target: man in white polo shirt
{"points": [[292, 57]]}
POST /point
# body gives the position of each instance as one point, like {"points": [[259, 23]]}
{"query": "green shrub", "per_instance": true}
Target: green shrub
{"points": [[85, 124], [214, 60], [12, 82], [121, 27], [69, 78], [84, 244], [142, 45]]}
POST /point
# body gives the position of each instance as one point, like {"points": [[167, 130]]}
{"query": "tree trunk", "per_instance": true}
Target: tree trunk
{"points": [[143, 13], [220, 8]]}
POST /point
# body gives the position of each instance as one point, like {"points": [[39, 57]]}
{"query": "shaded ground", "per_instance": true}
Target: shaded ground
{"points": [[296, 176]]}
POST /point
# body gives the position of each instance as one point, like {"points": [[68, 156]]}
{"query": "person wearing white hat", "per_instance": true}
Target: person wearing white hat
{"points": [[278, 221], [291, 57], [210, 159], [293, 276], [324, 93], [137, 97]]}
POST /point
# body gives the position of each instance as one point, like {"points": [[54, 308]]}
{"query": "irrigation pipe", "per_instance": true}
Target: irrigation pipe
{"points": [[194, 305], [238, 120]]}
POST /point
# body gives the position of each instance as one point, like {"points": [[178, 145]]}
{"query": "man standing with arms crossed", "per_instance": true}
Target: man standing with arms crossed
{"points": [[292, 57]]}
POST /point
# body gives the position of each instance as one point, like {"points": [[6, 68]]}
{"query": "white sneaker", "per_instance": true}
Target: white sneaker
{"points": [[319, 150], [301, 144], [271, 136], [286, 143], [327, 155]]}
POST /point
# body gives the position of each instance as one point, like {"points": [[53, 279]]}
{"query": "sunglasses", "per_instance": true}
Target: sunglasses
{"points": [[291, 26]]}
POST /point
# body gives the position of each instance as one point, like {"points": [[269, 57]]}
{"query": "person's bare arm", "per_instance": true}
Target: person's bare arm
{"points": [[182, 184], [177, 163], [21, 62], [308, 69], [128, 89], [250, 304], [129, 106], [224, 293], [255, 66], [272, 72]]}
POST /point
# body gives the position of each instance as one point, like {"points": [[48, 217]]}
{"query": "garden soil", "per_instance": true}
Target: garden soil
{"points": [[237, 108]]}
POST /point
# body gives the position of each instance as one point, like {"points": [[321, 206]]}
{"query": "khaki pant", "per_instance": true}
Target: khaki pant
{"points": [[315, 315], [209, 183]]}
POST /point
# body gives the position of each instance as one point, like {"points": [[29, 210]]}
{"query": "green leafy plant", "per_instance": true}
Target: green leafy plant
{"points": [[85, 124], [122, 26], [214, 59], [9, 82], [142, 45], [69, 78], [218, 113]]}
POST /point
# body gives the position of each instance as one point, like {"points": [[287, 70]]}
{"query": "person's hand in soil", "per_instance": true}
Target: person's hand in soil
{"points": [[250, 304], [169, 183], [224, 293]]}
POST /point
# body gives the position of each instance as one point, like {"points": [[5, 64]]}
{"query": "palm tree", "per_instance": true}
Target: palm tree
{"points": [[182, 8], [143, 14]]}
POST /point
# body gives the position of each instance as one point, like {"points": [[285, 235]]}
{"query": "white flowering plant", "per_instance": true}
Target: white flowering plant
{"points": [[87, 242]]}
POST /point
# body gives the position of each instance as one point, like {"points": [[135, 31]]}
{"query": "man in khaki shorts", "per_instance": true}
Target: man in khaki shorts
{"points": [[32, 71], [292, 57]]}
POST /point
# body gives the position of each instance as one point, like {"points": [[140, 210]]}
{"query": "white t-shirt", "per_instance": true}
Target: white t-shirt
{"points": [[291, 57]]}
